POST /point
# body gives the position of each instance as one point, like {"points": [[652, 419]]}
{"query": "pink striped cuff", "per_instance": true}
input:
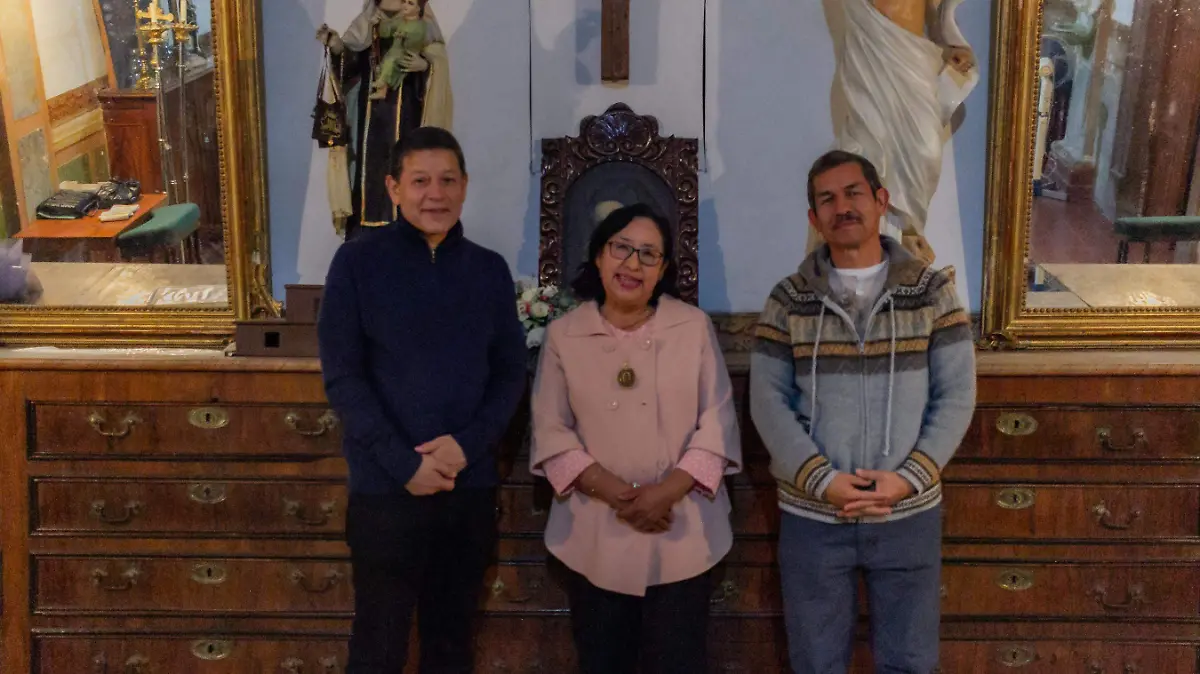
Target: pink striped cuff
{"points": [[564, 469], [705, 467]]}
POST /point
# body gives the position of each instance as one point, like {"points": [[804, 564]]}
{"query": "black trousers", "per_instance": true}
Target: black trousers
{"points": [[426, 554], [666, 631]]}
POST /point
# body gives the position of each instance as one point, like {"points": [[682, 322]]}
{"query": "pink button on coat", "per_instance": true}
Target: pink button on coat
{"points": [[682, 400]]}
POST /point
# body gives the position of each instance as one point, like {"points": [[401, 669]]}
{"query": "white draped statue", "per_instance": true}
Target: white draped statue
{"points": [[903, 71]]}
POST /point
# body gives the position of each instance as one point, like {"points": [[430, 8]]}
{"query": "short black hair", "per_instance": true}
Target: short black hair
{"points": [[588, 284], [426, 138], [833, 159]]}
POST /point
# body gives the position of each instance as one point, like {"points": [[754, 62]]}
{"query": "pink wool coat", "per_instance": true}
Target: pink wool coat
{"points": [[682, 399]]}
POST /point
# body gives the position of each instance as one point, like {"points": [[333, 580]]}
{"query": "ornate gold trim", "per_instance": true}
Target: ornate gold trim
{"points": [[242, 147], [1007, 322]]}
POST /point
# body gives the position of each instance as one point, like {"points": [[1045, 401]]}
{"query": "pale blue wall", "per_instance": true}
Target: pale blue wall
{"points": [[761, 134]]}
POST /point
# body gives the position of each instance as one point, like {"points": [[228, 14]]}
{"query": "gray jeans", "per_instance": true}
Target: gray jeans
{"points": [[900, 562]]}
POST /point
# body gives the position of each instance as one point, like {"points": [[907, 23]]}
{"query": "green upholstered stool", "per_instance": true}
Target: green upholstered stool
{"points": [[1154, 228], [168, 228]]}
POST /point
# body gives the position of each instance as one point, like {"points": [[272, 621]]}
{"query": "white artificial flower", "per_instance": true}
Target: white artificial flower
{"points": [[522, 310], [549, 291], [529, 295], [535, 337], [539, 310]]}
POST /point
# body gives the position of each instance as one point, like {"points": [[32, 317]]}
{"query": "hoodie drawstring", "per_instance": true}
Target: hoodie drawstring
{"points": [[812, 373], [887, 428]]}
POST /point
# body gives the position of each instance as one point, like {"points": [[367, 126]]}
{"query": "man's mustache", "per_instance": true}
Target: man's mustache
{"points": [[845, 218]]}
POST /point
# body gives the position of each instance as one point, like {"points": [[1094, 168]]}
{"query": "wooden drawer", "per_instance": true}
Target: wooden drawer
{"points": [[174, 432], [200, 654], [1150, 590], [219, 509], [105, 585], [740, 590], [1057, 657], [1071, 512], [524, 509], [1081, 433]]}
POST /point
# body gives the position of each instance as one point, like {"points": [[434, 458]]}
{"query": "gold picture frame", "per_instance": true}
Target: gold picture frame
{"points": [[1007, 323], [242, 150]]}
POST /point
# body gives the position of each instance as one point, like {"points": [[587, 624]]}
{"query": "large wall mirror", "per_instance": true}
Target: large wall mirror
{"points": [[131, 198], [1094, 221]]}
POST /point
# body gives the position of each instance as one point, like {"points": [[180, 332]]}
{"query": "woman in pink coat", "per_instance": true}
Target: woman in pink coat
{"points": [[634, 426]]}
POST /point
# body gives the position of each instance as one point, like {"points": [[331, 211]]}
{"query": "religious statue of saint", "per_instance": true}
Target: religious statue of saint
{"points": [[392, 64], [903, 71]]}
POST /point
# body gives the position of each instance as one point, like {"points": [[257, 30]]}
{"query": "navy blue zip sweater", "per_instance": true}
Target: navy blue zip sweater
{"points": [[417, 343]]}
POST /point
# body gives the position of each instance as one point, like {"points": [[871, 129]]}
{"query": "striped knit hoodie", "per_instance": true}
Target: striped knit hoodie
{"points": [[826, 400]]}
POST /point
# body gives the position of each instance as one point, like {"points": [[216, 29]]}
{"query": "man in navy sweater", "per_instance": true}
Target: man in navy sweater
{"points": [[424, 361]]}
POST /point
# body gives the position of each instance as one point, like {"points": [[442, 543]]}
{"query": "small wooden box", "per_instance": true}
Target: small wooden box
{"points": [[302, 303], [276, 338]]}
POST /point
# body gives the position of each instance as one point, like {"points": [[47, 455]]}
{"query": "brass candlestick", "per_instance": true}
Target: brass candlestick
{"points": [[153, 26], [145, 79], [183, 31]]}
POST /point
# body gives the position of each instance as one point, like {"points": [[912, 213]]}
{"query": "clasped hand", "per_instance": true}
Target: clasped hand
{"points": [[442, 459], [853, 498], [413, 62], [645, 508]]}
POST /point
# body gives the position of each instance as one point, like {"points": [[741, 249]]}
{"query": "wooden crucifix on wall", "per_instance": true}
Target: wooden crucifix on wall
{"points": [[614, 41]]}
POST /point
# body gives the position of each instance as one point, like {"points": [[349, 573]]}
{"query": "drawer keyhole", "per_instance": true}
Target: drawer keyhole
{"points": [[1016, 424]]}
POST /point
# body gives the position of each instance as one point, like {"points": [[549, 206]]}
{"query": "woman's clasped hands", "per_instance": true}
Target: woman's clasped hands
{"points": [[646, 508]]}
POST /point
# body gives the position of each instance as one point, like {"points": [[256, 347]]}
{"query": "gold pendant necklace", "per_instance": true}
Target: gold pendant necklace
{"points": [[626, 378]]}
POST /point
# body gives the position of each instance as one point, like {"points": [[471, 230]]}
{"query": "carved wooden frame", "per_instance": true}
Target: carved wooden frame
{"points": [[621, 135], [242, 145], [1007, 322]]}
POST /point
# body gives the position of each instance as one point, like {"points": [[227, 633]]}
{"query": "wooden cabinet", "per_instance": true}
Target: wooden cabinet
{"points": [[131, 126], [188, 515]]}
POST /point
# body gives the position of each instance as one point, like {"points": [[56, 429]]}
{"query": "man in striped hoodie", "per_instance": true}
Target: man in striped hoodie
{"points": [[862, 387]]}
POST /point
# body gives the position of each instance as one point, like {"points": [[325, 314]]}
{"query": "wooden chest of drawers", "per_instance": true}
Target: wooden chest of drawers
{"points": [[187, 516]]}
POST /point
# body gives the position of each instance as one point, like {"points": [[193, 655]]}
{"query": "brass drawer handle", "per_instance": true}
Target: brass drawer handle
{"points": [[328, 665], [1104, 517], [99, 422], [99, 511], [1015, 580], [137, 664], [1096, 667], [1016, 424], [727, 592], [207, 573], [1015, 656], [325, 423], [1015, 498], [1139, 443], [208, 494], [208, 649], [330, 580], [1135, 597], [208, 418], [500, 591], [128, 579], [295, 510]]}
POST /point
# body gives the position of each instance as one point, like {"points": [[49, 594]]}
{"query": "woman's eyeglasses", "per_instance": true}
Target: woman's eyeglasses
{"points": [[623, 251]]}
